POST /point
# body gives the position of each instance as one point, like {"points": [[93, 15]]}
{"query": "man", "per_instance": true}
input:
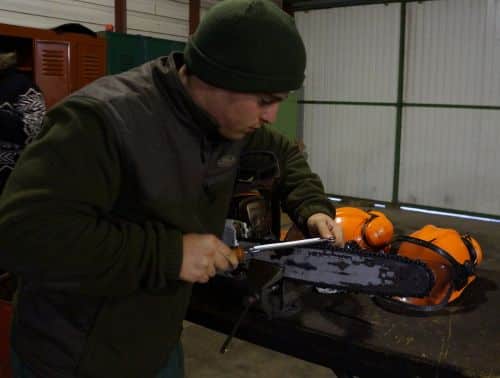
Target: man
{"points": [[117, 208]]}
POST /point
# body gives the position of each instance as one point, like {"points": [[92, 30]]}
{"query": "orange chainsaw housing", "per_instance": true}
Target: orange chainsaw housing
{"points": [[370, 229]]}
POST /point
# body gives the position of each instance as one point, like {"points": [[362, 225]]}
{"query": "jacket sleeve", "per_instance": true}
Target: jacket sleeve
{"points": [[56, 214], [300, 190]]}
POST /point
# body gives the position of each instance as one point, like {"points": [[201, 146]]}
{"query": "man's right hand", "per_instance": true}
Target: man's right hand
{"points": [[203, 255]]}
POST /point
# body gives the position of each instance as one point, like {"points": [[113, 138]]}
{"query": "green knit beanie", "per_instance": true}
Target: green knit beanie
{"points": [[247, 46]]}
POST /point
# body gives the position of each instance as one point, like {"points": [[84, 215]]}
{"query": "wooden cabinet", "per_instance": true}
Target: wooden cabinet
{"points": [[59, 63]]}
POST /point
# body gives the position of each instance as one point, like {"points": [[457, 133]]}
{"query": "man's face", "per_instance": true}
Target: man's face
{"points": [[240, 114]]}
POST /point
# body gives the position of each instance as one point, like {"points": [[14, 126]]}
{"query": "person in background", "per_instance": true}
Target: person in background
{"points": [[117, 207], [22, 108]]}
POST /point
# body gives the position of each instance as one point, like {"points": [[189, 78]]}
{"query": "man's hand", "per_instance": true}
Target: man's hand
{"points": [[203, 255], [324, 226]]}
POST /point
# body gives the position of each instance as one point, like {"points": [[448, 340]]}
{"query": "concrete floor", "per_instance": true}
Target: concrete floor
{"points": [[201, 345], [243, 360]]}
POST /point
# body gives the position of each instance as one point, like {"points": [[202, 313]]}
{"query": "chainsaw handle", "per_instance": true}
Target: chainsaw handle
{"points": [[239, 252]]}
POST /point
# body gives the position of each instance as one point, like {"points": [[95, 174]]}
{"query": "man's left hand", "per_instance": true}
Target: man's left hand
{"points": [[325, 226]]}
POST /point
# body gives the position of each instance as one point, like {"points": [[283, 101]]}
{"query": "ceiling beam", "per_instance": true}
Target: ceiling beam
{"points": [[121, 16], [304, 5], [194, 15]]}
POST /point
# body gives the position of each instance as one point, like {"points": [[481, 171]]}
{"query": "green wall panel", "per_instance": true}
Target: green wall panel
{"points": [[286, 121], [126, 51], [155, 47]]}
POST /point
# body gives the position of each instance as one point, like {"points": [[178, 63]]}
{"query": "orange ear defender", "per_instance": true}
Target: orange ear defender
{"points": [[452, 257], [370, 229]]}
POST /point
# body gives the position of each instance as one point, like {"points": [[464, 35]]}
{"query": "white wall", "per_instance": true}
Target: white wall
{"points": [[157, 18], [352, 148], [352, 57], [453, 52], [449, 156], [450, 159]]}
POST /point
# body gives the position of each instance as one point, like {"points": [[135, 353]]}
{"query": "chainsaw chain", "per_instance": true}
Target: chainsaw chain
{"points": [[326, 250]]}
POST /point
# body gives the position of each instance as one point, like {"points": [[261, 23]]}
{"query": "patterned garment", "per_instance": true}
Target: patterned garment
{"points": [[9, 153], [22, 108], [31, 108]]}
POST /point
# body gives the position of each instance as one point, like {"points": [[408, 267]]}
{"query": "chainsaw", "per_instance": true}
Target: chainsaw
{"points": [[279, 273], [253, 224], [318, 262]]}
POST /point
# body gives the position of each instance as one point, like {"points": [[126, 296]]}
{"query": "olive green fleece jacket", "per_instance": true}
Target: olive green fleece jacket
{"points": [[92, 220]]}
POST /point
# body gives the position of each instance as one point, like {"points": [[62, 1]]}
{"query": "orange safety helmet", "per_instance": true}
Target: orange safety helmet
{"points": [[451, 257], [370, 229]]}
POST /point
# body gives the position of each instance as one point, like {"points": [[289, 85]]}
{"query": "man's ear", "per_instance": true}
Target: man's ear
{"points": [[183, 70], [183, 74]]}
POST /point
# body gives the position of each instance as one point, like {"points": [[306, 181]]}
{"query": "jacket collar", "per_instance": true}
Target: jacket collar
{"points": [[165, 73]]}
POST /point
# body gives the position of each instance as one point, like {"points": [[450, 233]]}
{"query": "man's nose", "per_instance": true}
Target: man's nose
{"points": [[269, 113]]}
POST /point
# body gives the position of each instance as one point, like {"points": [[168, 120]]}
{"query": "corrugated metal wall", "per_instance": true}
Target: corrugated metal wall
{"points": [[450, 127], [352, 57], [453, 52], [166, 19], [352, 148], [450, 156], [352, 53]]}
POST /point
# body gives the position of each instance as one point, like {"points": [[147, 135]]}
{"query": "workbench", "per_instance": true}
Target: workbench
{"points": [[353, 336]]}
